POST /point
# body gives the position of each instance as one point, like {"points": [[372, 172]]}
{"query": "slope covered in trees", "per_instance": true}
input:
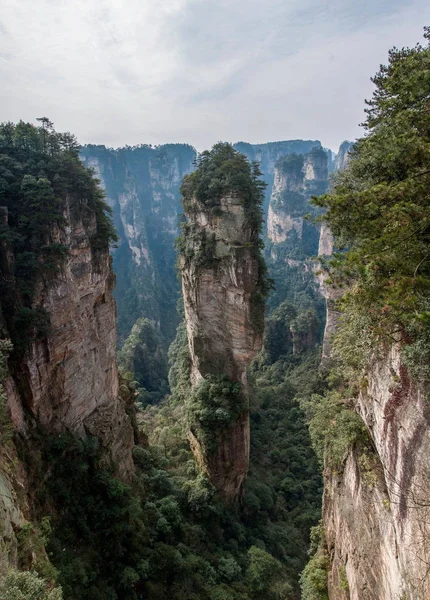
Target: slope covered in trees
{"points": [[374, 419]]}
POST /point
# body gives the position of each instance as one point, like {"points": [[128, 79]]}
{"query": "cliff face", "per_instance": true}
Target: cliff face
{"points": [[223, 289], [342, 157], [325, 249], [296, 179], [331, 294], [268, 154], [377, 512], [142, 188], [223, 339], [218, 296], [67, 380]]}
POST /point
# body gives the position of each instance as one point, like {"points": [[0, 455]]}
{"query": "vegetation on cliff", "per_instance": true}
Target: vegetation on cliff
{"points": [[166, 534], [142, 359], [39, 170], [142, 184], [380, 214]]}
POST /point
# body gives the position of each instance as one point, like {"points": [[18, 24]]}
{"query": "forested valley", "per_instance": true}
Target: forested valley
{"points": [[263, 386]]}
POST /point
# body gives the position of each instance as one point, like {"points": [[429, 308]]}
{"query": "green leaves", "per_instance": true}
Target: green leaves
{"points": [[379, 209]]}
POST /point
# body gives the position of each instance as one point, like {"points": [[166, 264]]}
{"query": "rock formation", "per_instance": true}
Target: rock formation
{"points": [[376, 510], [142, 188], [268, 154], [223, 299], [342, 157], [297, 178], [67, 380], [325, 250]]}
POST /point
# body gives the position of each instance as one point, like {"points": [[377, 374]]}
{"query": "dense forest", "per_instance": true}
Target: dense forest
{"points": [[164, 532], [114, 540]]}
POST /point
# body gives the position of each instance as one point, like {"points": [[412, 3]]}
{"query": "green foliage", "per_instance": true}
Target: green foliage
{"points": [[222, 171], [143, 356], [180, 365], [33, 539], [379, 210], [262, 571], [213, 406], [314, 577], [197, 245], [6, 429], [334, 427], [25, 585], [39, 170]]}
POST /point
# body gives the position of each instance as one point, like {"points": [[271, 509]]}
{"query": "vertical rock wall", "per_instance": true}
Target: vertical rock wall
{"points": [[297, 178], [66, 381], [142, 188], [220, 316], [377, 510]]}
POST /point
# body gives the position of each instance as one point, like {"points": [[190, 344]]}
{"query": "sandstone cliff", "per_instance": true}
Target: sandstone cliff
{"points": [[268, 154], [66, 380], [325, 250], [142, 188], [297, 178], [223, 291], [376, 510]]}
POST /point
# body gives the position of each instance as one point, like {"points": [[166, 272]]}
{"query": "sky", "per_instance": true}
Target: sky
{"points": [[119, 72]]}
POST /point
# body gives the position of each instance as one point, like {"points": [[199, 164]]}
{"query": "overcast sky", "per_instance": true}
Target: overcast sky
{"points": [[121, 72]]}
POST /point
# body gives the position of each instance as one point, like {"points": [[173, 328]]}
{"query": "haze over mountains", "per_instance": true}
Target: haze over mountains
{"points": [[142, 186]]}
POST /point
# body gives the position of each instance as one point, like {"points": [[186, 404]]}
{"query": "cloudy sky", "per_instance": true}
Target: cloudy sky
{"points": [[121, 72]]}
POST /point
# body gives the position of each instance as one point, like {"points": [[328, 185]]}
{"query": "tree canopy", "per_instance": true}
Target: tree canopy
{"points": [[379, 209]]}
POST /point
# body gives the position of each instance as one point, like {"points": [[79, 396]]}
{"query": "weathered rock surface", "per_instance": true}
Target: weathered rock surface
{"points": [[330, 293], [325, 249], [268, 155], [68, 380], [377, 517], [296, 180], [142, 187], [220, 315], [342, 156]]}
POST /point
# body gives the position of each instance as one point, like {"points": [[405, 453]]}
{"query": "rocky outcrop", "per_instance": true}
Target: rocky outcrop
{"points": [[268, 155], [142, 188], [297, 178], [330, 293], [342, 156], [67, 380], [377, 511], [325, 250], [220, 279]]}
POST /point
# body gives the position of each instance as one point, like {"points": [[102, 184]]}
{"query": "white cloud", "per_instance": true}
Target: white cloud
{"points": [[135, 71]]}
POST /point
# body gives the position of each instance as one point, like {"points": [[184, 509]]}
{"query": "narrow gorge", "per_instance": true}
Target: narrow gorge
{"points": [[246, 415]]}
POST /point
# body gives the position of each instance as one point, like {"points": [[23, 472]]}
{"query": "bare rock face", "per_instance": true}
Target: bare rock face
{"points": [[331, 294], [342, 157], [218, 296], [68, 381], [220, 277], [325, 249], [377, 515], [296, 179]]}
